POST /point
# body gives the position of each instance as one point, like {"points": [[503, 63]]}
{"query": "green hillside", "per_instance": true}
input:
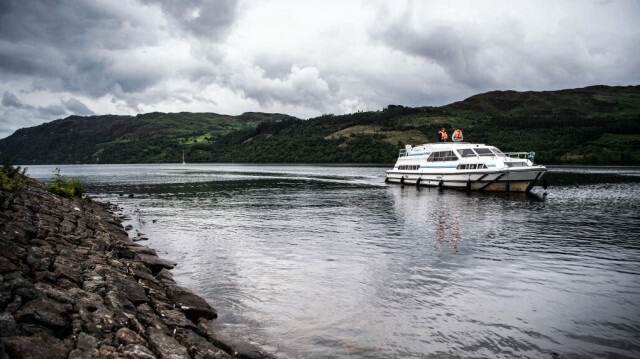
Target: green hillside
{"points": [[149, 138], [593, 125]]}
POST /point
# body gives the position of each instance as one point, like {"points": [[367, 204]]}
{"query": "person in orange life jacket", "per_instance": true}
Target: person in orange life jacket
{"points": [[442, 135], [457, 135]]}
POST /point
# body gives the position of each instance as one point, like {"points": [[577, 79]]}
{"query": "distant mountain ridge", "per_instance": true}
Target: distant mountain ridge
{"points": [[592, 125], [148, 138]]}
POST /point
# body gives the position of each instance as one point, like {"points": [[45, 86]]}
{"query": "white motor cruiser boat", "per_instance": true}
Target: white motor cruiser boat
{"points": [[469, 166]]}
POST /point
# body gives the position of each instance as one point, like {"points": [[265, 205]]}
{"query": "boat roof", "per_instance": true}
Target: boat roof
{"points": [[439, 146]]}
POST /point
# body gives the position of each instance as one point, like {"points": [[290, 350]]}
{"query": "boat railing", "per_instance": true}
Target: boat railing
{"points": [[521, 155], [403, 152]]}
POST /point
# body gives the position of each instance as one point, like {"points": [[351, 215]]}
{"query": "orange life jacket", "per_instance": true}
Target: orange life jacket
{"points": [[443, 135], [457, 135]]}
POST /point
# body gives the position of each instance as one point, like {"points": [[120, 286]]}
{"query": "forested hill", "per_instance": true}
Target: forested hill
{"points": [[149, 138], [593, 125]]}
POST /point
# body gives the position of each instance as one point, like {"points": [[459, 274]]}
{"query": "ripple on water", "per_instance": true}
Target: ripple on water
{"points": [[317, 262]]}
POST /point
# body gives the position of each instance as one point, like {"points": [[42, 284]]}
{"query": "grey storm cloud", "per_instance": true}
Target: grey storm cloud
{"points": [[210, 19], [98, 49], [11, 100], [76, 107], [53, 42], [503, 54], [52, 110], [92, 47], [300, 86], [37, 36], [456, 52], [302, 58], [17, 114]]}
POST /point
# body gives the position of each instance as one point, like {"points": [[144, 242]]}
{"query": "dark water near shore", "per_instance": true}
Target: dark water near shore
{"points": [[312, 261]]}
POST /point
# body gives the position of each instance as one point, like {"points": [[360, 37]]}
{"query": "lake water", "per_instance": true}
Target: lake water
{"points": [[321, 261]]}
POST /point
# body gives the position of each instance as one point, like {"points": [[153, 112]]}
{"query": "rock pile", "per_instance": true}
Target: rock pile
{"points": [[74, 285]]}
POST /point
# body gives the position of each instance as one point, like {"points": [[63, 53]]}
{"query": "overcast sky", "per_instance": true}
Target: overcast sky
{"points": [[301, 57]]}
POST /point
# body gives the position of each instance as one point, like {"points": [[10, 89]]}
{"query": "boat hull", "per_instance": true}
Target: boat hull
{"points": [[494, 181]]}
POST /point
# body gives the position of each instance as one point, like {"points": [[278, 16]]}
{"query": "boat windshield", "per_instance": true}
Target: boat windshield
{"points": [[442, 156], [483, 151], [497, 152], [466, 152]]}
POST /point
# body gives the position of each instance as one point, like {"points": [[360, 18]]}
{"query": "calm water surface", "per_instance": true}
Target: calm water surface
{"points": [[312, 261]]}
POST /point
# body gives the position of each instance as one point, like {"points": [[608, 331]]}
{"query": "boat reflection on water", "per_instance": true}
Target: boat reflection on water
{"points": [[448, 234]]}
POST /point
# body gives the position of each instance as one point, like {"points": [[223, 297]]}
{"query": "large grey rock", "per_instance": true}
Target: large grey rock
{"points": [[138, 249], [238, 347], [95, 317], [126, 286], [87, 342], [166, 277], [126, 336], [95, 284], [198, 346], [68, 269], [7, 266], [37, 259], [41, 346], [122, 307], [140, 271], [47, 313], [193, 306], [46, 224], [10, 250], [67, 227], [15, 233], [25, 289], [149, 318], [5, 294], [60, 296], [245, 350], [156, 264], [8, 326], [165, 346], [137, 351], [206, 328], [175, 319]]}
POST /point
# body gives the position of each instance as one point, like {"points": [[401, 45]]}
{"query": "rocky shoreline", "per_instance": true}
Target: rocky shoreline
{"points": [[74, 285]]}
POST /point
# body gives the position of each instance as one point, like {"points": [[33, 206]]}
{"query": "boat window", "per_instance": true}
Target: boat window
{"points": [[497, 152], [483, 151], [466, 152], [409, 168], [442, 156], [472, 166]]}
